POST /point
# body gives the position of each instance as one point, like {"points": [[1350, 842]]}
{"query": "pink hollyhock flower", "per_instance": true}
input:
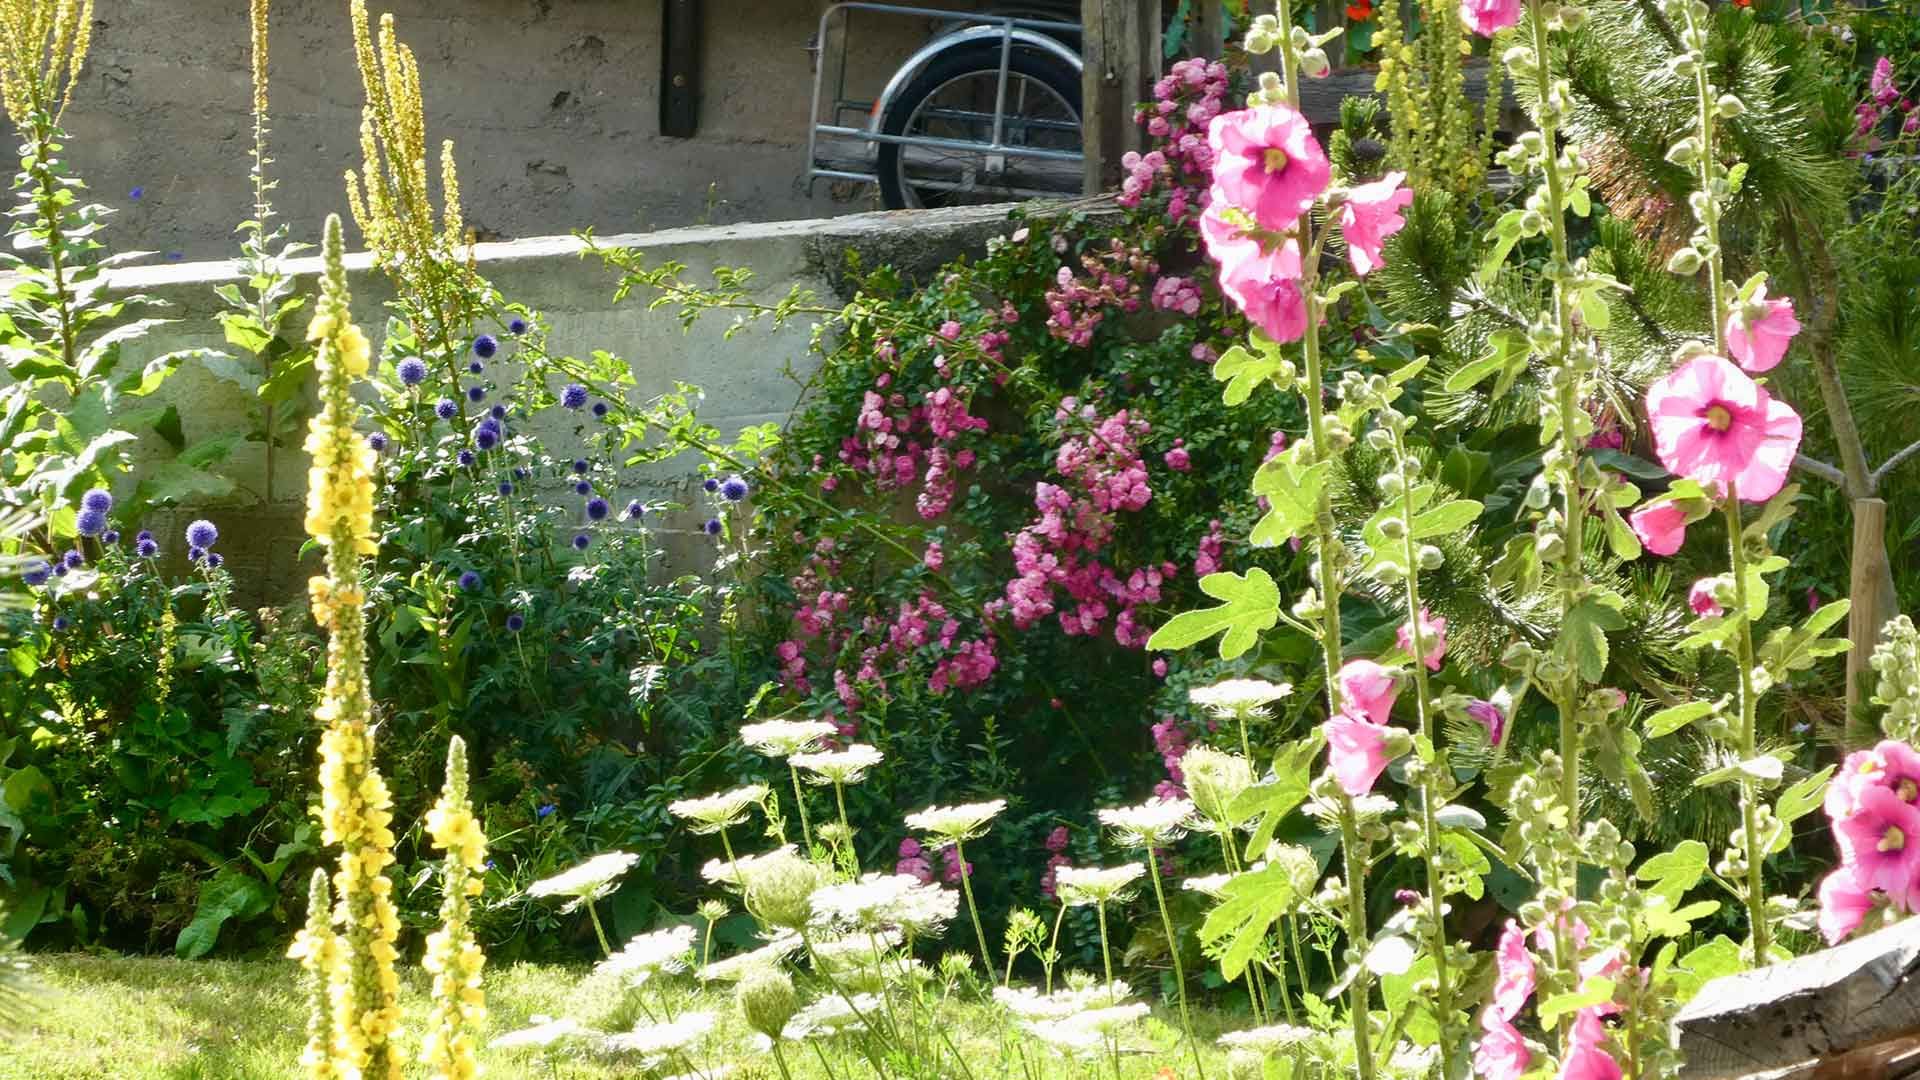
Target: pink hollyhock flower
{"points": [[1265, 287], [1491, 715], [1662, 527], [1515, 982], [1267, 162], [1890, 764], [1367, 690], [1880, 841], [1585, 1060], [1486, 17], [1370, 215], [1714, 425], [1844, 904], [1880, 85], [1759, 330], [1433, 634], [1356, 752], [1501, 1053], [1700, 599]]}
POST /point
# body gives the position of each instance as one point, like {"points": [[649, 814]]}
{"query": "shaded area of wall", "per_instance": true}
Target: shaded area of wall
{"points": [[746, 380]]}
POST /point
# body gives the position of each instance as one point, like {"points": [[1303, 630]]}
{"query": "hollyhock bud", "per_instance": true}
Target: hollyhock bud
{"points": [[1701, 599], [1662, 527]]}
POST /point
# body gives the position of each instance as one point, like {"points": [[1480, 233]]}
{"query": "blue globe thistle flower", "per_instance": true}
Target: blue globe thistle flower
{"points": [[580, 465], [214, 559], [710, 485], [412, 371], [74, 560], [574, 396], [516, 325], [580, 541], [475, 367], [195, 554], [713, 526], [91, 522], [111, 536], [485, 346], [519, 473], [597, 509], [733, 489], [464, 457], [136, 193], [498, 412], [37, 573], [544, 810], [634, 510], [486, 438], [143, 534], [60, 624], [506, 487], [476, 393], [516, 622], [600, 408], [60, 569], [202, 534], [147, 548], [583, 488], [97, 499], [469, 581], [377, 440], [445, 408]]}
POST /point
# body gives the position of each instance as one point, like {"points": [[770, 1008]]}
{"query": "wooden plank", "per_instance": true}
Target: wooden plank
{"points": [[1121, 52], [679, 67], [1208, 35], [1320, 98], [1794, 1019]]}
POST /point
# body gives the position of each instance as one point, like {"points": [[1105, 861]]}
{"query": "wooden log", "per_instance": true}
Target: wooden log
{"points": [[1121, 54], [1857, 1003], [1871, 591]]}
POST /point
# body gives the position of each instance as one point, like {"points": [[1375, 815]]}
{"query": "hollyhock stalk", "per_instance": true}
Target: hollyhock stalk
{"points": [[1705, 168], [1354, 868], [1431, 773]]}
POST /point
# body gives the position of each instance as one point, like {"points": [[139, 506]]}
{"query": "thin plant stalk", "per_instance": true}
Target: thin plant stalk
{"points": [[966, 889], [1173, 950], [1106, 965], [800, 801]]}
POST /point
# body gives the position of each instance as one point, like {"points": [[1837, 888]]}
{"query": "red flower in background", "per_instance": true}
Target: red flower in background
{"points": [[1360, 12]]}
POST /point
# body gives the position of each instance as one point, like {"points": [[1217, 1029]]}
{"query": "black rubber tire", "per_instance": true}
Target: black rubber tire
{"points": [[1045, 68]]}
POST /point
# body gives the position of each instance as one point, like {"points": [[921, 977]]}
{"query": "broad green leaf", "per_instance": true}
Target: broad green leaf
{"points": [[1250, 905], [1672, 873], [24, 787], [1244, 370], [1251, 605], [1594, 991], [226, 368], [1293, 497], [1593, 309], [1449, 517], [1826, 618], [1703, 965], [231, 894], [1620, 537], [1669, 720], [1583, 637], [1797, 802]]}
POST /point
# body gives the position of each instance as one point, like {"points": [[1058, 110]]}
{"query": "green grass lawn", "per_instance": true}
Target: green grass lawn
{"points": [[121, 1018]]}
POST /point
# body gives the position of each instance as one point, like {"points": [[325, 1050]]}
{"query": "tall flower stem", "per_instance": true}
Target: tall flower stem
{"points": [[800, 802], [973, 911], [1173, 950], [1355, 869], [1432, 772], [1749, 738], [1106, 965]]}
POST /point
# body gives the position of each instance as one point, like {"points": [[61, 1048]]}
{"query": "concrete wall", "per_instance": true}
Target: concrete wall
{"points": [[552, 105], [744, 379]]}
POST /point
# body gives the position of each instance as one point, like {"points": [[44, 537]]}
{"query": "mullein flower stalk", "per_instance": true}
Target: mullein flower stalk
{"points": [[453, 955], [314, 946], [356, 809]]}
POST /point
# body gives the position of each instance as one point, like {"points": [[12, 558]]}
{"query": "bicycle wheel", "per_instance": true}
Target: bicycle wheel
{"points": [[952, 100]]}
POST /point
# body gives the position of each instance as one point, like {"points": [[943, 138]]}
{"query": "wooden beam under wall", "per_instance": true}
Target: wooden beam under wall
{"points": [[1121, 51], [679, 68]]}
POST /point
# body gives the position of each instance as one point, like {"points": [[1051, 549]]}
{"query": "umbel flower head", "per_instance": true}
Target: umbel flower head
{"points": [[767, 1000], [711, 813], [662, 952], [948, 824], [587, 882], [1215, 779], [849, 766], [1082, 885], [1154, 823], [885, 902], [1245, 699], [778, 888], [784, 738]]}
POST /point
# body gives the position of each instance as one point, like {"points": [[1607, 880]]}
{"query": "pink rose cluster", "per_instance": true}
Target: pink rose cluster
{"points": [[1208, 559], [1059, 551], [1269, 170], [1876, 823], [900, 445], [1077, 305], [1170, 742], [1056, 845], [1185, 101], [1177, 294]]}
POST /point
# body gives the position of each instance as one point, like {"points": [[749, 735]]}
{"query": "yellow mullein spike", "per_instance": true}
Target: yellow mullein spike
{"points": [[355, 805], [315, 947], [455, 228], [453, 955]]}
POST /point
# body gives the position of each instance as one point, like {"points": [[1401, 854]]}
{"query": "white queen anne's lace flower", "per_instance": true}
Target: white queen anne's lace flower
{"points": [[879, 901], [1245, 698], [1154, 823], [948, 824], [540, 1031], [831, 1014], [1081, 885], [783, 738], [662, 952], [1268, 1040], [662, 1038], [587, 882], [735, 967], [849, 766], [730, 871], [711, 813], [1214, 885]]}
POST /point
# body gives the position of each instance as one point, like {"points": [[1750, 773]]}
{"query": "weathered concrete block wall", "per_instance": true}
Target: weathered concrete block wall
{"points": [[744, 379], [553, 107]]}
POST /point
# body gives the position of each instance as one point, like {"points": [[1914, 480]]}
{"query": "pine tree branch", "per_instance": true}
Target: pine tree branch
{"points": [[1891, 464], [1820, 469], [1823, 287]]}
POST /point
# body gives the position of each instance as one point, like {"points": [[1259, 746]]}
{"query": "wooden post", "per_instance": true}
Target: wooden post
{"points": [[1871, 591], [1121, 52], [1209, 38]]}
